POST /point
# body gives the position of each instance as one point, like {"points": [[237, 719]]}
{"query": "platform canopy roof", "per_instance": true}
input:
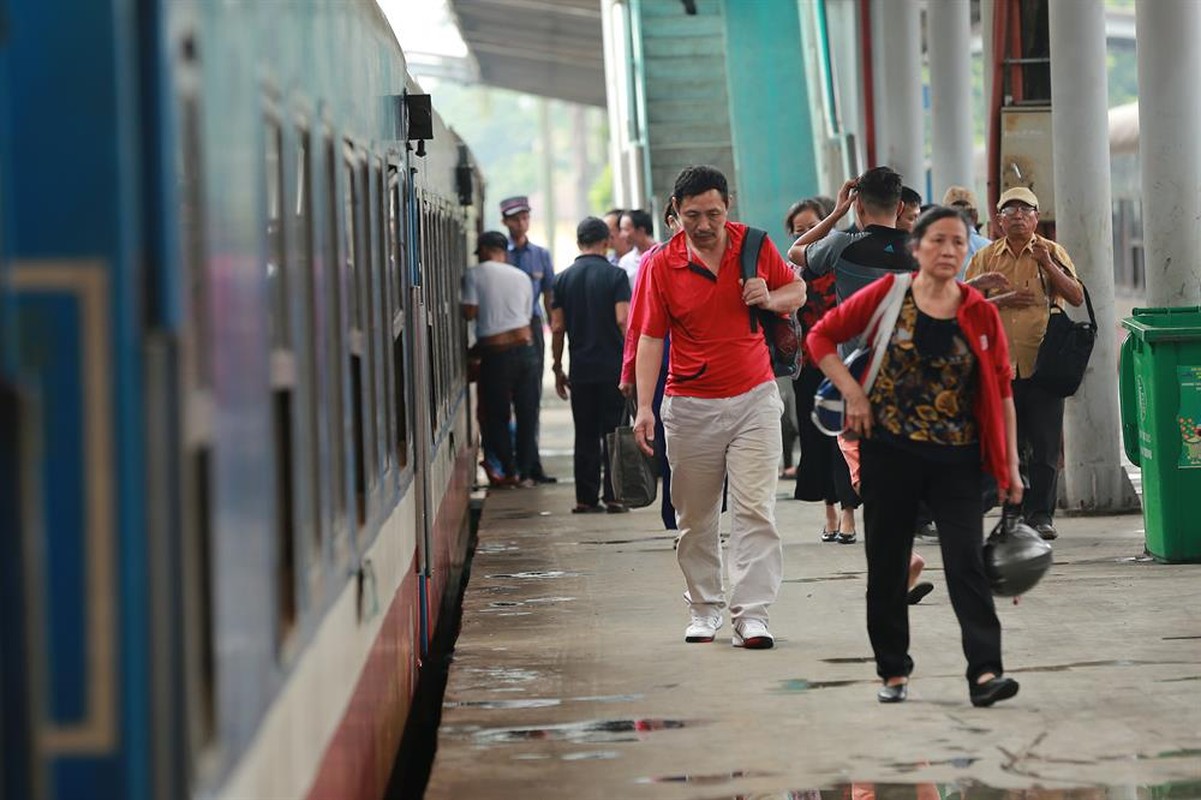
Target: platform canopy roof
{"points": [[551, 48]]}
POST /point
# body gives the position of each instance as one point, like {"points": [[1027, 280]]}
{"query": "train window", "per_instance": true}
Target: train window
{"points": [[384, 332], [309, 299], [397, 251], [283, 382], [332, 282], [276, 277], [352, 239], [196, 484], [366, 277]]}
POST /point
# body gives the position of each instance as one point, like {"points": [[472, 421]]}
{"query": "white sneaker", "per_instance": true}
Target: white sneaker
{"points": [[703, 627], [752, 634]]}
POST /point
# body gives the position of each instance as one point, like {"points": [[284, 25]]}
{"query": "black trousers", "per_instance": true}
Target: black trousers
{"points": [[596, 409], [505, 388], [893, 481], [532, 397], [822, 473], [1040, 431]]}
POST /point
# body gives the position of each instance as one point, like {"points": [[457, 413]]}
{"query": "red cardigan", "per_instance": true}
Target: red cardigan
{"points": [[981, 326]]}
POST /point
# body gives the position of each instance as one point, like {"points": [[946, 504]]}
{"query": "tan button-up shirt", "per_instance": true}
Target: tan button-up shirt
{"points": [[1024, 327]]}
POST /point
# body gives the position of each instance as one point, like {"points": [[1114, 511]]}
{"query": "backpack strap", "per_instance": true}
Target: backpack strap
{"points": [[748, 261]]}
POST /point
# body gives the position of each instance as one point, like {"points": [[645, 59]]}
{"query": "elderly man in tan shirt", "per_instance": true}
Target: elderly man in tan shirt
{"points": [[1023, 273]]}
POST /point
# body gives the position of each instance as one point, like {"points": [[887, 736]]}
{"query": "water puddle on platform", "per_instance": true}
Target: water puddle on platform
{"points": [[533, 575], [588, 732], [545, 702], [804, 685], [706, 780], [963, 790], [822, 579]]}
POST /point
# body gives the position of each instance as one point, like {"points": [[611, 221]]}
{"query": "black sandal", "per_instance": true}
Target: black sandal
{"points": [[829, 536], [846, 538]]}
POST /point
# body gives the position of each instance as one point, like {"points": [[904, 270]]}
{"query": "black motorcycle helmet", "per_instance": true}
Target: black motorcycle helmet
{"points": [[1015, 556]]}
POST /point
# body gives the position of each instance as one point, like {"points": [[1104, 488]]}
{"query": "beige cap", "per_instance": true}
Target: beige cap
{"points": [[1020, 194], [960, 194]]}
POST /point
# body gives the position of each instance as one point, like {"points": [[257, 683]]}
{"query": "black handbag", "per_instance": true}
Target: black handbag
{"points": [[1065, 350], [781, 332], [634, 474]]}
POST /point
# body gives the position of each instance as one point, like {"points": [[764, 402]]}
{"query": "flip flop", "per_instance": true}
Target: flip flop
{"points": [[919, 591]]}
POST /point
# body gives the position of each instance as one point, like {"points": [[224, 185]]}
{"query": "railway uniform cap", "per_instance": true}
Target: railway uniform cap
{"points": [[491, 240], [514, 205], [960, 195], [1018, 194], [591, 230]]}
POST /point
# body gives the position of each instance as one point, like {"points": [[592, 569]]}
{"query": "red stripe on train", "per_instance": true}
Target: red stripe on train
{"points": [[358, 761]]}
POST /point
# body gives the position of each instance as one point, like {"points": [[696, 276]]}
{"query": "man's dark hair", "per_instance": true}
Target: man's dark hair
{"points": [[696, 180], [880, 189], [641, 220], [617, 211], [590, 231], [910, 197], [936, 213]]}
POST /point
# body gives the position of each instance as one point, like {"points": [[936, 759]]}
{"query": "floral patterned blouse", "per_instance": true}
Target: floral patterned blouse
{"points": [[923, 395]]}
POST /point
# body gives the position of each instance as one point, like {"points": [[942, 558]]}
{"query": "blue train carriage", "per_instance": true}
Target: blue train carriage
{"points": [[235, 444]]}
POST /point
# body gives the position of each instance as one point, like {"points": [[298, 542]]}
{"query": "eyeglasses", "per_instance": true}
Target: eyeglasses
{"points": [[1013, 211]]}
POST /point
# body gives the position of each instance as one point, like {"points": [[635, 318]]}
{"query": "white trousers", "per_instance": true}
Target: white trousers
{"points": [[708, 440]]}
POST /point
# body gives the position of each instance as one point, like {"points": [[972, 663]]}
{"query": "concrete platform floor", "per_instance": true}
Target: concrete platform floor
{"points": [[571, 678]]}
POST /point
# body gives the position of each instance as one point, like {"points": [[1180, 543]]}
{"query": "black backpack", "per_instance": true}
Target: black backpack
{"points": [[781, 332]]}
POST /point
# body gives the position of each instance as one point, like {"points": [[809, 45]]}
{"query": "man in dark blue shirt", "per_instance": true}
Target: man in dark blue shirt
{"points": [[590, 306], [535, 262]]}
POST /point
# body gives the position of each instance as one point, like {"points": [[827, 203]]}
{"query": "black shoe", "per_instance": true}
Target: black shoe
{"points": [[893, 694], [616, 508], [846, 538], [542, 477], [992, 691], [926, 530], [919, 591], [829, 536]]}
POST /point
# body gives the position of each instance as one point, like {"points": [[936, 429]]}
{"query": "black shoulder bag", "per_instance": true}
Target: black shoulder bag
{"points": [[1065, 350], [781, 332]]}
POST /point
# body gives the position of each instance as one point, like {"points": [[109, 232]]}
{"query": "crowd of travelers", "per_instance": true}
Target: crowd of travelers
{"points": [[657, 335]]}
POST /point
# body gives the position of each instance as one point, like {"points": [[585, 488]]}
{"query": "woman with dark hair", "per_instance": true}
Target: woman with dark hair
{"points": [[822, 472], [939, 415]]}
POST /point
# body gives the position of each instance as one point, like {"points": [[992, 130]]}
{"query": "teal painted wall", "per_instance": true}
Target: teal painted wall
{"points": [[770, 117]]}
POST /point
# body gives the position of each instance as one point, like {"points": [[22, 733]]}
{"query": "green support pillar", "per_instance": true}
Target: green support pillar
{"points": [[770, 120]]}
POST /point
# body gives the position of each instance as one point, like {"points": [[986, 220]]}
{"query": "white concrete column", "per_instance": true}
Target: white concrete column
{"points": [[612, 37], [1093, 477], [901, 83], [879, 61], [948, 44], [1169, 62]]}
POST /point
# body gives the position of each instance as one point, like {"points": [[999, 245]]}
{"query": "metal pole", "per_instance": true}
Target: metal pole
{"points": [[882, 130], [948, 37], [901, 81], [1170, 148], [1093, 477]]}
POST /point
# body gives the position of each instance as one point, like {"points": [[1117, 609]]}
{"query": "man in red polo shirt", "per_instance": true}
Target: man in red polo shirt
{"points": [[721, 412]]}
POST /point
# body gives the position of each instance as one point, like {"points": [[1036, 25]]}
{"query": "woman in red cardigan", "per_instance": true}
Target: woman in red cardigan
{"points": [[939, 415]]}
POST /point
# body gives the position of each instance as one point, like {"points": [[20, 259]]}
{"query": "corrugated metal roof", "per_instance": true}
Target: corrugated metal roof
{"points": [[551, 48]]}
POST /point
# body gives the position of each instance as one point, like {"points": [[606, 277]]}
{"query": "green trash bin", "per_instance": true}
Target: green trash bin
{"points": [[1160, 386]]}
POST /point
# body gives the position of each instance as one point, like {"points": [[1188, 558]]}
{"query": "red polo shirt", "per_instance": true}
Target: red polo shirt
{"points": [[714, 353]]}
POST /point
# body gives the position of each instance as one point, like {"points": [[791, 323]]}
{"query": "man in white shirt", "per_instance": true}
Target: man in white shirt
{"points": [[637, 229], [498, 296]]}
